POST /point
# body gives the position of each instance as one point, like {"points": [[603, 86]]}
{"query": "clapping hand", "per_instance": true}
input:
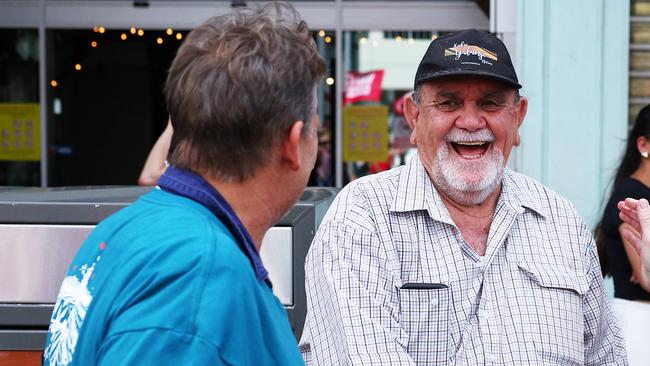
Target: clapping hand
{"points": [[636, 213]]}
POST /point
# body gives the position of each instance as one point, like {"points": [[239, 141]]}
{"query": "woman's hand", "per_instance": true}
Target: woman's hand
{"points": [[636, 213]]}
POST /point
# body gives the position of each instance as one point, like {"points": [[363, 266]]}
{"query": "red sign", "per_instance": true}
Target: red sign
{"points": [[363, 86], [398, 104]]}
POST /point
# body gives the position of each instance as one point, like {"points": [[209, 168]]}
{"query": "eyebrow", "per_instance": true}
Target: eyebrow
{"points": [[495, 94], [445, 94], [498, 94]]}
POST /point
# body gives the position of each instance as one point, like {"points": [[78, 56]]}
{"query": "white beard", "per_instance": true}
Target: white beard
{"points": [[470, 182]]}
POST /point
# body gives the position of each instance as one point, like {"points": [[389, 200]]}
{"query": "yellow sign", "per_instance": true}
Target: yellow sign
{"points": [[365, 133], [20, 131]]}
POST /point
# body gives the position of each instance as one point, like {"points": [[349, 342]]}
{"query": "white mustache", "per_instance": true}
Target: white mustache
{"points": [[457, 135]]}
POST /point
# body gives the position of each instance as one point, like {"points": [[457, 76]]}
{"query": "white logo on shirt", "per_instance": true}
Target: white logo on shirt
{"points": [[69, 313]]}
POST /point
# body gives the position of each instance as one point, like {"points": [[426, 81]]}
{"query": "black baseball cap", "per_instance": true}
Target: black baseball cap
{"points": [[468, 52]]}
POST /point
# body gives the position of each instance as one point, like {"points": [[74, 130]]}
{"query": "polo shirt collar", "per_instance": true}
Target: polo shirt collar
{"points": [[191, 185]]}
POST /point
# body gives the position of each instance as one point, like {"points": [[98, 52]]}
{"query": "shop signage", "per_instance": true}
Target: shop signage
{"points": [[20, 132], [363, 86], [365, 133]]}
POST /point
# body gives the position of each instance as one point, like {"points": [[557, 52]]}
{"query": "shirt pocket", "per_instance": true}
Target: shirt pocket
{"points": [[552, 310], [424, 316]]}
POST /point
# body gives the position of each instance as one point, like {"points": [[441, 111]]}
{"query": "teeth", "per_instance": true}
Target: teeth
{"points": [[474, 143]]}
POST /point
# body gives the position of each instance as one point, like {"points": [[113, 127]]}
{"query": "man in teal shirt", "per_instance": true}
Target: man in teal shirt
{"points": [[176, 278]]}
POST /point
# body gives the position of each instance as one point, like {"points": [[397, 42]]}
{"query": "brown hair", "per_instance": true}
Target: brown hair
{"points": [[236, 86]]}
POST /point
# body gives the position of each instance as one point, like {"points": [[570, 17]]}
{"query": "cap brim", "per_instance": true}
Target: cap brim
{"points": [[446, 74]]}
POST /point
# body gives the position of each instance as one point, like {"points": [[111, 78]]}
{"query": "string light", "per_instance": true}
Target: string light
{"points": [[159, 40], [54, 83], [411, 41], [321, 33], [169, 31], [179, 36], [398, 38], [123, 36], [328, 39], [329, 81], [140, 32], [77, 67], [132, 30], [93, 44], [102, 30], [363, 40], [95, 29], [375, 44]]}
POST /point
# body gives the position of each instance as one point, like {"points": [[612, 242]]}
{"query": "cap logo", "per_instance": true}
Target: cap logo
{"points": [[463, 49]]}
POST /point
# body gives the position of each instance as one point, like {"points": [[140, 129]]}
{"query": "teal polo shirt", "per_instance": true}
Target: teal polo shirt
{"points": [[165, 282]]}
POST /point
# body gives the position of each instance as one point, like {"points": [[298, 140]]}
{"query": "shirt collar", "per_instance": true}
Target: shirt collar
{"points": [[190, 185], [518, 192], [415, 192]]}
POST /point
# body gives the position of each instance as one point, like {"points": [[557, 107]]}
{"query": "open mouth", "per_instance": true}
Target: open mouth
{"points": [[470, 149]]}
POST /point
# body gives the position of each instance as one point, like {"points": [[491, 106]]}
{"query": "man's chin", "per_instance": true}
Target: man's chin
{"points": [[468, 197], [471, 182], [469, 188], [468, 182]]}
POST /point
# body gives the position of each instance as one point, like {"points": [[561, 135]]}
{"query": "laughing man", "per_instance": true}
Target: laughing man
{"points": [[453, 258]]}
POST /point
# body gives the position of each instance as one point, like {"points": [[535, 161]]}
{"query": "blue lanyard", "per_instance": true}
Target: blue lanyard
{"points": [[188, 184]]}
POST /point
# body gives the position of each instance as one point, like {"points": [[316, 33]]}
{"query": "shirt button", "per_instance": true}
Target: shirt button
{"points": [[434, 301]]}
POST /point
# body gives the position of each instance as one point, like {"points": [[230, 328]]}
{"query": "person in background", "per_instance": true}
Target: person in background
{"points": [[636, 215], [323, 169], [632, 179], [176, 278], [453, 258], [156, 162]]}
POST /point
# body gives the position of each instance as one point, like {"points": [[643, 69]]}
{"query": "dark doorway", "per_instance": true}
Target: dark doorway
{"points": [[105, 103], [18, 85]]}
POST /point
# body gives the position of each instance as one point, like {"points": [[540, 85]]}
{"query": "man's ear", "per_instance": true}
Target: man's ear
{"points": [[291, 146], [522, 108], [411, 113]]}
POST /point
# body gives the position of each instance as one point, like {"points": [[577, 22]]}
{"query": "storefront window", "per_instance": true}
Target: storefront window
{"points": [[19, 108], [106, 106], [380, 67], [639, 58], [640, 7], [323, 174], [105, 102]]}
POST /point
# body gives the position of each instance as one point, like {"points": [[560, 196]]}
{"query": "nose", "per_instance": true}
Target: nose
{"points": [[470, 119]]}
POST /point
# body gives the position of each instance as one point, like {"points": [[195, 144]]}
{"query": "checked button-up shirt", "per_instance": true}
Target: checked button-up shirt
{"points": [[391, 281]]}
